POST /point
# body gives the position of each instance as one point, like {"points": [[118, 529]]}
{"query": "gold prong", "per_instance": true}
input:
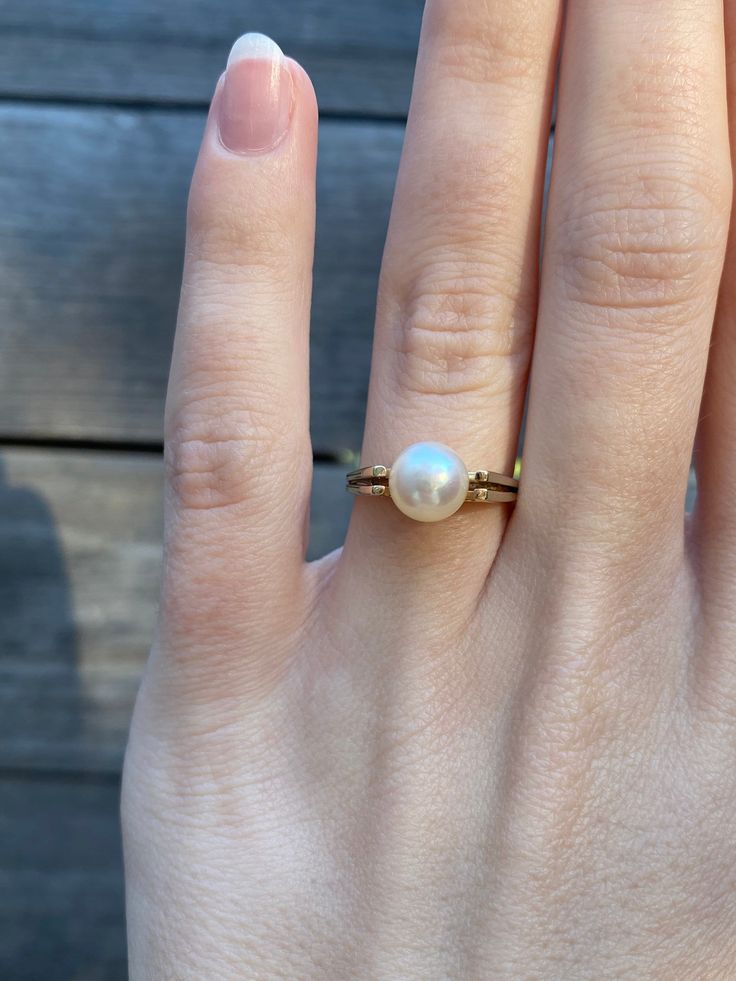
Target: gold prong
{"points": [[485, 486]]}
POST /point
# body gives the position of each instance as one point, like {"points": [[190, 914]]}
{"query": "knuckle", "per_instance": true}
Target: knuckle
{"points": [[204, 474], [207, 473], [504, 45], [663, 91], [214, 456], [231, 252], [644, 243], [223, 208], [503, 64], [458, 335]]}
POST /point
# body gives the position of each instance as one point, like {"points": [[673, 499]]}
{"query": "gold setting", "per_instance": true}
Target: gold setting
{"points": [[484, 486]]}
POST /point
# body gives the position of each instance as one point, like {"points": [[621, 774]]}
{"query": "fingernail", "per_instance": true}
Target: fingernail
{"points": [[255, 104]]}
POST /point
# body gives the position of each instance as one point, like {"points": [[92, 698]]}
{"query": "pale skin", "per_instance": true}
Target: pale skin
{"points": [[502, 745]]}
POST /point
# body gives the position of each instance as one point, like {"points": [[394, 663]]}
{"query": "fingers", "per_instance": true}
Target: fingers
{"points": [[634, 245], [237, 446], [457, 298], [715, 458]]}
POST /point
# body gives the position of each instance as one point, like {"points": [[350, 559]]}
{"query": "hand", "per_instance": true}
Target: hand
{"points": [[502, 745]]}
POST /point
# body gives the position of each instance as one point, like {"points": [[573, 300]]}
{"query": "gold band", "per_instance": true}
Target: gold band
{"points": [[484, 486]]}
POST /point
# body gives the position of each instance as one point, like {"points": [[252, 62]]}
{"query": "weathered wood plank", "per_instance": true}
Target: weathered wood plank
{"points": [[61, 884], [361, 60], [80, 544], [90, 253]]}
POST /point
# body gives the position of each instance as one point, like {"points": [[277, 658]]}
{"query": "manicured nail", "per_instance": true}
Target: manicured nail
{"points": [[255, 104]]}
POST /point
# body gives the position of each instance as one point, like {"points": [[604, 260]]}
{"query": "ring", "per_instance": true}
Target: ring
{"points": [[429, 482]]}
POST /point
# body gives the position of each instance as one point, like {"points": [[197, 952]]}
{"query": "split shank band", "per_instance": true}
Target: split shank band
{"points": [[429, 482]]}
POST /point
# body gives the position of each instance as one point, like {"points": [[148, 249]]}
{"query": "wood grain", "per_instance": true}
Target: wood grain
{"points": [[80, 552], [173, 51], [91, 235]]}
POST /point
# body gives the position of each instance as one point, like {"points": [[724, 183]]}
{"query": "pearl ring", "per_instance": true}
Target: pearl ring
{"points": [[429, 482]]}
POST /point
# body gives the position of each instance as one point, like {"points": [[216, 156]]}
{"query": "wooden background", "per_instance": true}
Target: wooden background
{"points": [[102, 105]]}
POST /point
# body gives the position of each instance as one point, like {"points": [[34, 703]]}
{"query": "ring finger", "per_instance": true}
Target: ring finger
{"points": [[457, 298]]}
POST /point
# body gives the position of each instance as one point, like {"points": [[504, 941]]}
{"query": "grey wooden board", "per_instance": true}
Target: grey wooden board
{"points": [[360, 55], [61, 884], [80, 549], [91, 233]]}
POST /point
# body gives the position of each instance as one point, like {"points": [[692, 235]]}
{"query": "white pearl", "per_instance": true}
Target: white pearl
{"points": [[428, 482]]}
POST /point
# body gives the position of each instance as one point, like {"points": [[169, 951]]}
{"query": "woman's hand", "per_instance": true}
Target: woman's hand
{"points": [[502, 745]]}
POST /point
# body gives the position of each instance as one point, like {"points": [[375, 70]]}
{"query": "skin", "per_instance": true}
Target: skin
{"points": [[504, 745]]}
